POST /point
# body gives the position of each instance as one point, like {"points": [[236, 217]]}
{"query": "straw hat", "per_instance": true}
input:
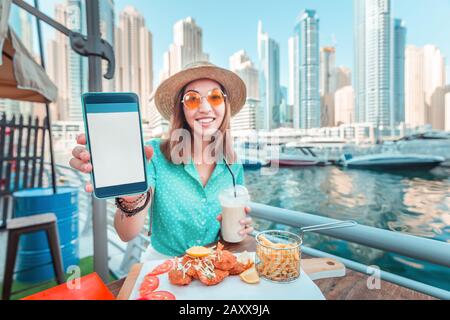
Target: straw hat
{"points": [[166, 94]]}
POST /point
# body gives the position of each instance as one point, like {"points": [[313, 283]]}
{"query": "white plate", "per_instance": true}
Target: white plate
{"points": [[233, 288]]}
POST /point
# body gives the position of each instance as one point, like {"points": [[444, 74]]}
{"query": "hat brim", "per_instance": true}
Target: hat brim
{"points": [[167, 92]]}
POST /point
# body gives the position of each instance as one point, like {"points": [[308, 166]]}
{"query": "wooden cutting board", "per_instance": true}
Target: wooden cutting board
{"points": [[316, 269]]}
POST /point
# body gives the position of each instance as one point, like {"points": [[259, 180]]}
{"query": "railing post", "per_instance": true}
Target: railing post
{"points": [[99, 215]]}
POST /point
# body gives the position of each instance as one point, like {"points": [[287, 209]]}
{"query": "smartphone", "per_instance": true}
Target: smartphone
{"points": [[112, 123]]}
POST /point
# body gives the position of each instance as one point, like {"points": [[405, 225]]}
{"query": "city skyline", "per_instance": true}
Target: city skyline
{"points": [[278, 18], [379, 38]]}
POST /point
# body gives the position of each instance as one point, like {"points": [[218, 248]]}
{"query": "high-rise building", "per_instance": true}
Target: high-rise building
{"points": [[378, 63], [437, 108], [306, 69], [327, 85], [327, 70], [425, 86], [292, 71], [269, 84], [447, 112], [134, 60], [342, 77], [246, 119], [187, 47], [359, 40], [373, 40], [285, 109], [399, 71], [66, 68], [434, 80], [294, 79], [415, 110], [241, 64], [344, 106]]}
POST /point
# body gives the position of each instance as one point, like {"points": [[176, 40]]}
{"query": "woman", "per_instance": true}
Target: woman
{"points": [[185, 181]]}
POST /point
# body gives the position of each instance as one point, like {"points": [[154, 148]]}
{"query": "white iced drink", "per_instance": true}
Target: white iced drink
{"points": [[233, 211]]}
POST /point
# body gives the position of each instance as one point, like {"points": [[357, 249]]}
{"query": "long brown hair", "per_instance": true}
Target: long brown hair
{"points": [[178, 121]]}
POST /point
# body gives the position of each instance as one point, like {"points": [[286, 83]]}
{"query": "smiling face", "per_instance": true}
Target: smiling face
{"points": [[207, 119]]}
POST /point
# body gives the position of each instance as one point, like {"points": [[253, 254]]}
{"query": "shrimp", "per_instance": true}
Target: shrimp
{"points": [[237, 269], [179, 277], [225, 260], [189, 265], [212, 278]]}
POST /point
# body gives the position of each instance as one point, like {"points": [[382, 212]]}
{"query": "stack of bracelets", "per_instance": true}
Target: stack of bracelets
{"points": [[128, 207]]}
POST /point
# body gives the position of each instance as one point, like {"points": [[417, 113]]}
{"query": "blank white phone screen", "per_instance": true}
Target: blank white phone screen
{"points": [[115, 146]]}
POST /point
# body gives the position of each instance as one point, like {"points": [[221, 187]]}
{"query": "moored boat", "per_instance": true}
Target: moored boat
{"points": [[391, 160]]}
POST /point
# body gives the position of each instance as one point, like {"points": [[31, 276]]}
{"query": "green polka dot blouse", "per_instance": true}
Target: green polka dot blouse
{"points": [[184, 212]]}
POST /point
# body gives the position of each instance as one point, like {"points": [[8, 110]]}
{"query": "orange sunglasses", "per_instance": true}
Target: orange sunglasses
{"points": [[192, 99]]}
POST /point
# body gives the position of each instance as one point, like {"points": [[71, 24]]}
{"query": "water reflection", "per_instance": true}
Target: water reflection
{"points": [[411, 201]]}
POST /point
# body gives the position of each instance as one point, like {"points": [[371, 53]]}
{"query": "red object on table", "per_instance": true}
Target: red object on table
{"points": [[91, 287]]}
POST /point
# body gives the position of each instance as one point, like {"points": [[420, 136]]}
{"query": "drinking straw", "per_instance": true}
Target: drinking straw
{"points": [[232, 175]]}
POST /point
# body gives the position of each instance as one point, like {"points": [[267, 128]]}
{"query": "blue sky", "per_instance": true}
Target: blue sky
{"points": [[229, 26]]}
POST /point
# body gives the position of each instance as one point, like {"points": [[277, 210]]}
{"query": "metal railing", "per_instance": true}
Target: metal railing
{"points": [[407, 245], [433, 251]]}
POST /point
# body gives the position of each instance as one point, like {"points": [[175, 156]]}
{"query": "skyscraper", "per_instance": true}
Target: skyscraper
{"points": [[187, 47], [415, 111], [327, 85], [359, 40], [343, 77], [306, 69], [285, 109], [434, 86], [66, 68], [269, 84], [327, 70], [344, 106], [379, 111], [247, 118], [241, 64], [399, 71], [425, 86], [294, 80], [134, 58]]}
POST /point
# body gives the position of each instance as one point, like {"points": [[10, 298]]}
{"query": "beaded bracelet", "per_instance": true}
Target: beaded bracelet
{"points": [[131, 212]]}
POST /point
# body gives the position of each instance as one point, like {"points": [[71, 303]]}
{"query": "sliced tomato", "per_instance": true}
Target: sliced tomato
{"points": [[160, 295], [149, 285], [164, 267]]}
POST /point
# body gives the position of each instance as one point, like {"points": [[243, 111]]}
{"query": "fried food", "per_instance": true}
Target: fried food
{"points": [[179, 277], [237, 269], [224, 259], [209, 269], [189, 265], [211, 279], [278, 261]]}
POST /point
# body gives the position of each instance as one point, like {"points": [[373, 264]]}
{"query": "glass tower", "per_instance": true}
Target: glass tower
{"points": [[306, 70], [399, 71], [269, 84]]}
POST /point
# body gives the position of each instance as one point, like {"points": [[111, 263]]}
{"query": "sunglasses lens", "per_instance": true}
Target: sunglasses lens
{"points": [[215, 97], [192, 100]]}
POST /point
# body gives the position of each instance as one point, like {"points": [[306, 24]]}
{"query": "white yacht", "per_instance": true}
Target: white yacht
{"points": [[391, 160]]}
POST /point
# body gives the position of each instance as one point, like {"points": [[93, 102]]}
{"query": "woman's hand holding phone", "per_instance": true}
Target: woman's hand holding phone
{"points": [[81, 161]]}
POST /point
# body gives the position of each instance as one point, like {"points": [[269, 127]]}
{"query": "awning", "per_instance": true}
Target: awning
{"points": [[21, 77], [5, 7]]}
